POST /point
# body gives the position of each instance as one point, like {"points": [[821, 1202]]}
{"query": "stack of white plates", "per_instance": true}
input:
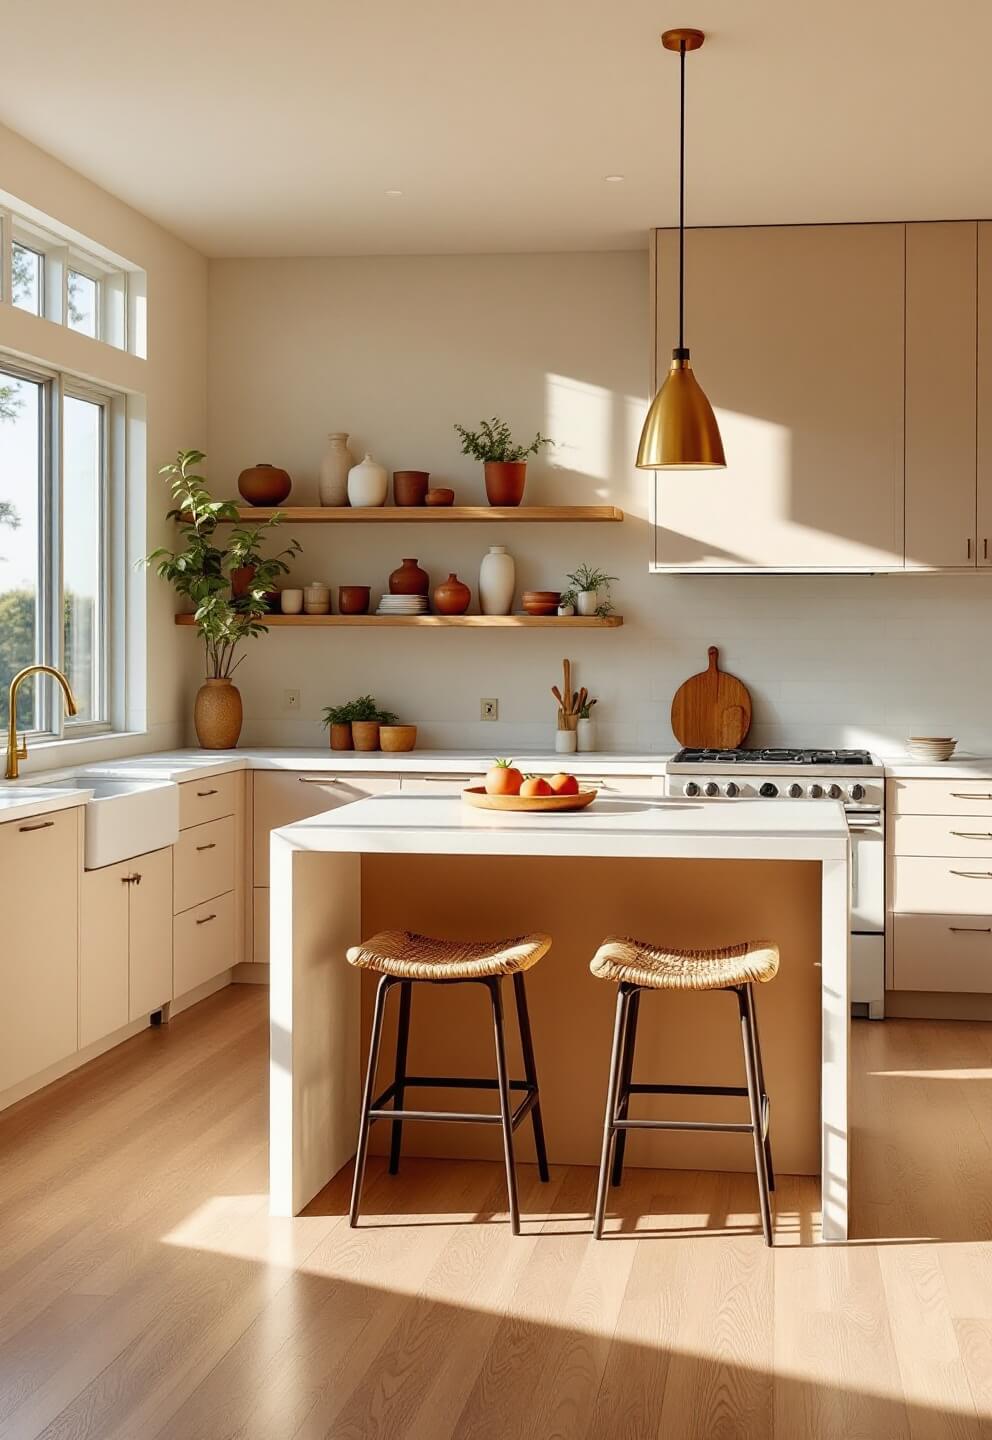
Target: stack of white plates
{"points": [[402, 605], [930, 747]]}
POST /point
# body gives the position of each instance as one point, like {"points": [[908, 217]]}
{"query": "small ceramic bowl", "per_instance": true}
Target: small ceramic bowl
{"points": [[354, 599], [397, 737], [541, 602], [440, 496]]}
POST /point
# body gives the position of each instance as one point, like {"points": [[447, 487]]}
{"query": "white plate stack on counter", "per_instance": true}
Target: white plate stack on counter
{"points": [[932, 748]]}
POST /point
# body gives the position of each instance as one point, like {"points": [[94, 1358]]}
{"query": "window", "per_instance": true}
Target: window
{"points": [[83, 302], [27, 278], [55, 479]]}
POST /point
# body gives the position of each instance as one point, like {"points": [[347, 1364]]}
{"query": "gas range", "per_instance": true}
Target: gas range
{"points": [[854, 777]]}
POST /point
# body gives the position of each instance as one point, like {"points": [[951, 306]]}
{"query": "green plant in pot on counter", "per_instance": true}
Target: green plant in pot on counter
{"points": [[355, 725], [503, 459], [227, 586], [591, 589]]}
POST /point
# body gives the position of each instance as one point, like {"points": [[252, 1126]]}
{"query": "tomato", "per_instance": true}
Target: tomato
{"points": [[503, 779], [535, 785], [564, 784]]}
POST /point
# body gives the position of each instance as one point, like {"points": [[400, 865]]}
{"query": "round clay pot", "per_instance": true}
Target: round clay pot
{"points": [[409, 579], [452, 596], [340, 737], [354, 600], [365, 734], [264, 484], [397, 737], [217, 715], [410, 486], [505, 481], [440, 496]]}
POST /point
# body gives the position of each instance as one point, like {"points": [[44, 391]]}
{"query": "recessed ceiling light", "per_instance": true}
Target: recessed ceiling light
{"points": [[613, 179], [394, 192]]}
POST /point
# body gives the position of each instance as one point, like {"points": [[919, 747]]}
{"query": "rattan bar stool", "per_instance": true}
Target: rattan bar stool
{"points": [[402, 958], [636, 965]]}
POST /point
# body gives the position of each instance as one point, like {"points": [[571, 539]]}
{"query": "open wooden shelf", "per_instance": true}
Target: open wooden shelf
{"points": [[559, 622], [427, 514]]}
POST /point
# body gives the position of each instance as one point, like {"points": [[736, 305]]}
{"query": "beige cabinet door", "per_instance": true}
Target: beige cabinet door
{"points": [[40, 865], [796, 335], [984, 538], [103, 952], [150, 944], [941, 311], [281, 797]]}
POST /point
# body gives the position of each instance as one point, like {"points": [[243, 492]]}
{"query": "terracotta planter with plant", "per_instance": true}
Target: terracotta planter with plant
{"points": [[504, 461], [358, 721], [203, 573]]}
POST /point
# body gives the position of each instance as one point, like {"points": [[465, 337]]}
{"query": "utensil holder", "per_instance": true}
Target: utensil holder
{"points": [[565, 742]]}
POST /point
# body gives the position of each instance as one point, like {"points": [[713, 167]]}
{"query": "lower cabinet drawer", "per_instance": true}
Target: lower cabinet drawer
{"points": [[203, 942], [204, 863], [204, 800], [942, 952], [951, 835], [260, 925], [930, 886]]}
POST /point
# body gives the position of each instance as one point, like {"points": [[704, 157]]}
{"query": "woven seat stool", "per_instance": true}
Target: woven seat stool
{"points": [[636, 965], [403, 958]]}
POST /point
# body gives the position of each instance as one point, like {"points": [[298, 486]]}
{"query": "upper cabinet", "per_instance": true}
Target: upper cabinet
{"points": [[796, 334]]}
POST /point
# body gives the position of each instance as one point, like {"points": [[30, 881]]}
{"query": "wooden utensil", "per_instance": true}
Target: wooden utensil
{"points": [[711, 710]]}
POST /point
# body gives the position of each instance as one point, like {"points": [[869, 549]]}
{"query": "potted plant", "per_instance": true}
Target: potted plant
{"points": [[585, 731], [566, 603], [364, 718], [504, 461], [203, 573], [337, 719], [589, 586]]}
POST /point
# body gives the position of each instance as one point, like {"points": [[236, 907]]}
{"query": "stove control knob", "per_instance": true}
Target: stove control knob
{"points": [[857, 792], [795, 790], [711, 788], [834, 792], [815, 791], [768, 790], [730, 790], [691, 788]]}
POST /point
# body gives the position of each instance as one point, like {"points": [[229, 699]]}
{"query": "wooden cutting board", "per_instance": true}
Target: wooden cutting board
{"points": [[711, 710]]}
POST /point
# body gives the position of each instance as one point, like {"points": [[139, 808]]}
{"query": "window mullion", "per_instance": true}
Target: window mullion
{"points": [[53, 570]]}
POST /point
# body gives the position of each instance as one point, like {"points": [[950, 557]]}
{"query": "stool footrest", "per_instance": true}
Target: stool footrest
{"points": [[380, 1108], [639, 1089], [681, 1125]]}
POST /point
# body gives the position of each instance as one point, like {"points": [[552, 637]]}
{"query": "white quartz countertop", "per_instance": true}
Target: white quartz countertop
{"points": [[959, 767], [20, 802], [614, 827]]}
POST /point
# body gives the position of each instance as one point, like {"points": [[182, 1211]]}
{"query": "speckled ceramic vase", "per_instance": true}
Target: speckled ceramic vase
{"points": [[217, 715]]}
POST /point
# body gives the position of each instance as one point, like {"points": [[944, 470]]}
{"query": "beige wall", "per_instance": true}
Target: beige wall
{"points": [[172, 380], [395, 350]]}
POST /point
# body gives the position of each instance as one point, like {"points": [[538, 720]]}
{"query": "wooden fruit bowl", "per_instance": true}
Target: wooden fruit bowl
{"points": [[476, 795]]}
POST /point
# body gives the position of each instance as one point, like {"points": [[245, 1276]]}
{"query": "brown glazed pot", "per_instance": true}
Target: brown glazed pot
{"points": [[340, 737], [217, 715], [409, 579], [241, 579], [353, 600], [365, 734], [505, 481], [264, 484], [410, 486], [452, 596], [440, 496]]}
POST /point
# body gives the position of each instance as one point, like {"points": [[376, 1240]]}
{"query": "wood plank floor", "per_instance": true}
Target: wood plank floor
{"points": [[145, 1294]]}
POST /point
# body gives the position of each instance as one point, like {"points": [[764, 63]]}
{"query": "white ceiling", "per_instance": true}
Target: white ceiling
{"points": [[258, 128]]}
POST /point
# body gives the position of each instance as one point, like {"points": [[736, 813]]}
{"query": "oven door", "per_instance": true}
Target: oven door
{"points": [[867, 872]]}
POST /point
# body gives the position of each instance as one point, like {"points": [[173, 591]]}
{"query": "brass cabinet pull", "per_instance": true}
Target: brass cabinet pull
{"points": [[962, 795], [974, 874], [212, 845], [40, 825], [206, 919], [130, 879], [969, 547], [320, 779], [202, 794], [446, 779], [971, 929], [973, 834]]}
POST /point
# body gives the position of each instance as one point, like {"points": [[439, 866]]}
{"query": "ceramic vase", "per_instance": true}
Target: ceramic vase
{"points": [[505, 481], [368, 484], [409, 579], [317, 598], [264, 484], [217, 715], [497, 581], [586, 602], [565, 742], [335, 465], [585, 735], [452, 596]]}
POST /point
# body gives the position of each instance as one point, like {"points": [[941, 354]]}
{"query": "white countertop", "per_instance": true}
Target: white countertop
{"points": [[959, 767], [20, 802], [614, 827]]}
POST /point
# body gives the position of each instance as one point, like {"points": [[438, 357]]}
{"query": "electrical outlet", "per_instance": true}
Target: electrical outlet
{"points": [[489, 709], [291, 699]]}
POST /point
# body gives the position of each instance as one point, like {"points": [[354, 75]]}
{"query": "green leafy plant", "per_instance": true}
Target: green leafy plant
{"points": [[494, 441], [585, 711], [200, 570], [364, 708], [567, 597], [586, 578]]}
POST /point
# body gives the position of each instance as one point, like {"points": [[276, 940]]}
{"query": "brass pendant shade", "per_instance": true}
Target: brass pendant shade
{"points": [[680, 431]]}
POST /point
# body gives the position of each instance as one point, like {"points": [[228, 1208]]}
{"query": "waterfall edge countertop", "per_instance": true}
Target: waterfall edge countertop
{"points": [[316, 881]]}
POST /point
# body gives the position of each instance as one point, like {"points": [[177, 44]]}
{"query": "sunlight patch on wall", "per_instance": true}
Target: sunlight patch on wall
{"points": [[596, 432]]}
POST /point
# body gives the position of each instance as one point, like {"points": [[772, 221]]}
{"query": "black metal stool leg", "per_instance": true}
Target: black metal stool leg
{"points": [[755, 1103], [619, 1027], [753, 1014], [365, 1124], [402, 1044], [505, 1108], [623, 1096], [530, 1073]]}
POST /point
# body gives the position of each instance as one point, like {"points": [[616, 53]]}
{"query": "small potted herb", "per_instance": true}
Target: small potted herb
{"points": [[337, 719], [566, 603], [592, 591], [366, 718], [503, 459]]}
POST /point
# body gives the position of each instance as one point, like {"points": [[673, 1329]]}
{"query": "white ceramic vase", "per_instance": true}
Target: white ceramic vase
{"points": [[497, 581], [585, 735], [586, 602], [368, 484], [565, 742], [334, 467]]}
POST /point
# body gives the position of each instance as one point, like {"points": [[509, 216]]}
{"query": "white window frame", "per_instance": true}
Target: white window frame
{"points": [[54, 724]]}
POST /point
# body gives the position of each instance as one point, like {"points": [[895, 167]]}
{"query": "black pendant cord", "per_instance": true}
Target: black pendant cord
{"points": [[682, 195]]}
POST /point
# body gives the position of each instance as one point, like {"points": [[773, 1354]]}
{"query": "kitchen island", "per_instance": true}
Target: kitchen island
{"points": [[691, 870]]}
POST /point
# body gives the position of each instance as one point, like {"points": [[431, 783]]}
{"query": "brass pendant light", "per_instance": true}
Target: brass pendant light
{"points": [[680, 432]]}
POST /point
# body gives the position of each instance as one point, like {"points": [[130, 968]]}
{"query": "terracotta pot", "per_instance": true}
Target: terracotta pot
{"points": [[241, 579], [354, 599], [409, 579], [441, 496], [365, 734], [505, 481], [410, 486], [452, 596], [340, 736], [217, 715], [264, 484], [393, 738]]}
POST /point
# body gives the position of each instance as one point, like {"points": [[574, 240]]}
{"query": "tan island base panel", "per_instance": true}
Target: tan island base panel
{"points": [[691, 1039]]}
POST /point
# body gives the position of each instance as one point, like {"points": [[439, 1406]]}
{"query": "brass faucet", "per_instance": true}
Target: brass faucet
{"points": [[18, 749]]}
